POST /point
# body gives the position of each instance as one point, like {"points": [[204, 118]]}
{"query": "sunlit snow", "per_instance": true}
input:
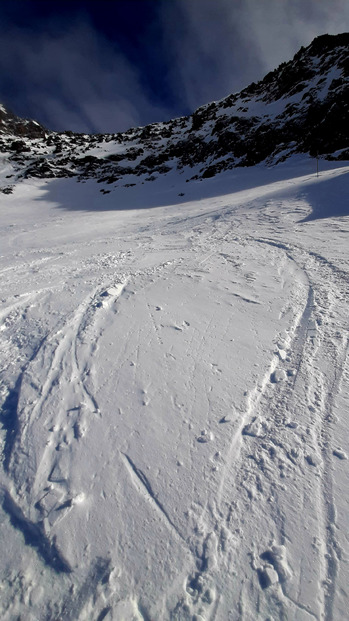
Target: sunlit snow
{"points": [[175, 390]]}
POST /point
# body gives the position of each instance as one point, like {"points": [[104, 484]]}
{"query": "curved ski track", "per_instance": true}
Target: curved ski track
{"points": [[274, 474]]}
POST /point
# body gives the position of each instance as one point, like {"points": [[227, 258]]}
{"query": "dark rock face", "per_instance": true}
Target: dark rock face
{"points": [[14, 125], [301, 107]]}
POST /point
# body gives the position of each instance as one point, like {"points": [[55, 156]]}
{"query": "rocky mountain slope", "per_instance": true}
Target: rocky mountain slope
{"points": [[301, 107]]}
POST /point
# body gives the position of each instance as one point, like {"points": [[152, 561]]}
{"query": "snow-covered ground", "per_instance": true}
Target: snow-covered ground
{"points": [[175, 397]]}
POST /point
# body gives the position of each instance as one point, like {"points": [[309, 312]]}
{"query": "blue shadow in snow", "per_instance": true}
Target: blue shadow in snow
{"points": [[328, 198]]}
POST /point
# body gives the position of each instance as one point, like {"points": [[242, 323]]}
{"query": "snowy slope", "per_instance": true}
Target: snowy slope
{"points": [[175, 385]]}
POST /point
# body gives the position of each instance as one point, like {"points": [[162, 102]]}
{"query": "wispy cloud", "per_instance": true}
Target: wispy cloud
{"points": [[219, 47], [76, 79], [71, 75], [278, 28]]}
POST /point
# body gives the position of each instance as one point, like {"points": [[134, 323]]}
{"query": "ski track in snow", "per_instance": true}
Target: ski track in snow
{"points": [[173, 403]]}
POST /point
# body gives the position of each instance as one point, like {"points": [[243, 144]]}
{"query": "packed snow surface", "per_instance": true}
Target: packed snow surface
{"points": [[175, 394]]}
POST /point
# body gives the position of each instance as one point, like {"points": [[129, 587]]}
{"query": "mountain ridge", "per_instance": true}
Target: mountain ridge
{"points": [[300, 107]]}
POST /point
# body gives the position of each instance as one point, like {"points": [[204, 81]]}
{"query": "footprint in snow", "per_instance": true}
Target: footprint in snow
{"points": [[256, 428], [278, 376], [340, 454], [267, 576], [202, 595], [205, 436], [313, 459], [275, 567], [185, 324], [226, 419]]}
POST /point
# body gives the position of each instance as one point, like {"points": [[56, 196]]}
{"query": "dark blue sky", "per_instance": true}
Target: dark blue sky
{"points": [[98, 66]]}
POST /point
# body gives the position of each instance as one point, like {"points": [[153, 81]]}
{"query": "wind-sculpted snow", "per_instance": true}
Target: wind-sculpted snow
{"points": [[174, 391]]}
